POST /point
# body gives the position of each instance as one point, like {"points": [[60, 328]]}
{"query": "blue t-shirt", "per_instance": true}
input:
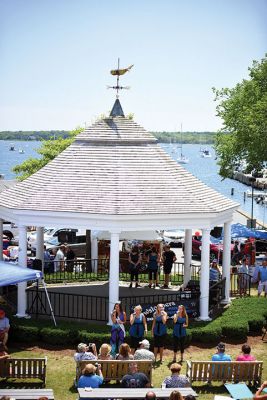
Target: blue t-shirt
{"points": [[263, 274], [221, 357], [93, 381]]}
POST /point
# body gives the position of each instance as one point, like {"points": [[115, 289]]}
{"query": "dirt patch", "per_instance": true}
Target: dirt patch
{"points": [[231, 347]]}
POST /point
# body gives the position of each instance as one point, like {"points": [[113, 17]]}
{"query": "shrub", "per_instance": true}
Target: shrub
{"points": [[27, 334], [58, 336], [208, 334]]}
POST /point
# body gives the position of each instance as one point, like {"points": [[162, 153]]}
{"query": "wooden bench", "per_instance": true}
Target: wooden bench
{"points": [[226, 371], [116, 369], [24, 368]]}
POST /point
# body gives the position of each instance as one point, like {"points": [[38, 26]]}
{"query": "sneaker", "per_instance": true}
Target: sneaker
{"points": [[157, 285], [137, 285], [131, 285], [165, 287], [149, 286]]}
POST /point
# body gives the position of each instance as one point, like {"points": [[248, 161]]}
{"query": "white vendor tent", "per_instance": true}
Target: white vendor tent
{"points": [[11, 274]]}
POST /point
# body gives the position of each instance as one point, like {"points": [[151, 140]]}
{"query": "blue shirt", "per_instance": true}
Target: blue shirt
{"points": [[221, 357], [214, 274], [263, 274], [93, 381]]}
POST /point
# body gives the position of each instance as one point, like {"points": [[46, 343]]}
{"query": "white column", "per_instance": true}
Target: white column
{"points": [[187, 256], [94, 253], [226, 267], [204, 276], [40, 244], [113, 271], [22, 303], [1, 239]]}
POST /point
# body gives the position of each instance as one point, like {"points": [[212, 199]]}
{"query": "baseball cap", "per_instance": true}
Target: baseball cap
{"points": [[145, 343]]}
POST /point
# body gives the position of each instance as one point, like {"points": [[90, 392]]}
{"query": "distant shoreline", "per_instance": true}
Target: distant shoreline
{"points": [[201, 138]]}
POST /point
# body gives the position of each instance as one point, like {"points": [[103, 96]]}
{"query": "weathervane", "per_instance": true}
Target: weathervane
{"points": [[118, 72]]}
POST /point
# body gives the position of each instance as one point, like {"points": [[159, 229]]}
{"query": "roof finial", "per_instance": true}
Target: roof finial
{"points": [[119, 72]]}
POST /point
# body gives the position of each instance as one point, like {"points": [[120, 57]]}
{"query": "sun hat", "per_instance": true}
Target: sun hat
{"points": [[145, 343], [2, 314]]}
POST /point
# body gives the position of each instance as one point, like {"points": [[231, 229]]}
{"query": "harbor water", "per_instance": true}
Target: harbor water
{"points": [[204, 169]]}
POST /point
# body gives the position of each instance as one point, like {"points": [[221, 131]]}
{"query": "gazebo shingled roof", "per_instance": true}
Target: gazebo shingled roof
{"points": [[115, 167]]}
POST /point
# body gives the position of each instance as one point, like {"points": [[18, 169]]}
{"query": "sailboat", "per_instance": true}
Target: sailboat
{"points": [[182, 159]]}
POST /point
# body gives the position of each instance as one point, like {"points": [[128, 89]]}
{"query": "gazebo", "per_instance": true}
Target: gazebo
{"points": [[115, 177]]}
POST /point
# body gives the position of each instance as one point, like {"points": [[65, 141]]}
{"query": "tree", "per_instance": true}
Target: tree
{"points": [[243, 109], [48, 151]]}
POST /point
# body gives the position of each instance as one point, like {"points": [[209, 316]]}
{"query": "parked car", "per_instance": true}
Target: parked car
{"points": [[79, 246], [216, 248], [175, 238], [63, 235]]}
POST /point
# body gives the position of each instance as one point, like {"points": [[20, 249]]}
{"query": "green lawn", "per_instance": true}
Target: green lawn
{"points": [[61, 366]]}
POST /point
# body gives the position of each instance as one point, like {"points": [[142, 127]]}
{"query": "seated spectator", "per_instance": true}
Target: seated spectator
{"points": [[3, 353], [245, 356], [91, 377], [104, 352], [143, 353], [135, 379], [151, 396], [259, 391], [124, 352], [175, 395], [4, 327], [86, 352], [214, 271], [220, 355], [176, 380]]}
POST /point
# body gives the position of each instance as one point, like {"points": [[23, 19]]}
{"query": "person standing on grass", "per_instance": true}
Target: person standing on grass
{"points": [[180, 320], [135, 260], [262, 278], [138, 327], [118, 318], [159, 330], [168, 258], [4, 327], [153, 260]]}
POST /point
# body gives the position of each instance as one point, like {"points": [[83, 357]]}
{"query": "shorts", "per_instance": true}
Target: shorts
{"points": [[159, 340], [261, 286], [167, 269], [134, 342]]}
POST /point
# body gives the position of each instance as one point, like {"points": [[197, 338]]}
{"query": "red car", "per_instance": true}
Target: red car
{"points": [[216, 248]]}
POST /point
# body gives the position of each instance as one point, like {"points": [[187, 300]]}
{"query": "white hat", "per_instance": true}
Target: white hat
{"points": [[145, 343]]}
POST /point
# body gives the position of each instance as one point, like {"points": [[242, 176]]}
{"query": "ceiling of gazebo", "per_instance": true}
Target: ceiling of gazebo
{"points": [[115, 170]]}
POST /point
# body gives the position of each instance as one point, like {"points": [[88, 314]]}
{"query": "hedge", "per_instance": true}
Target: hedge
{"points": [[243, 316]]}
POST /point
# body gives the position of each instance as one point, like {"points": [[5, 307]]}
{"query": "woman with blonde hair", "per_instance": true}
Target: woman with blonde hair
{"points": [[175, 395], [159, 330], [138, 327], [104, 352], [124, 352], [180, 320]]}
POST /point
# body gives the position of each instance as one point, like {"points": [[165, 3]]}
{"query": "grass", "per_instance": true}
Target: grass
{"points": [[61, 367]]}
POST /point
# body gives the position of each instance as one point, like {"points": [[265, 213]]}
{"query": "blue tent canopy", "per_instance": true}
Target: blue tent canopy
{"points": [[239, 230], [11, 274]]}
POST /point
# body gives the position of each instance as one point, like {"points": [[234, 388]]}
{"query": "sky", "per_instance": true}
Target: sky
{"points": [[56, 57]]}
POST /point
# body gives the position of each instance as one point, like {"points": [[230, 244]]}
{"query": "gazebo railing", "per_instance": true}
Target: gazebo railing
{"points": [[83, 270], [95, 308], [240, 284]]}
